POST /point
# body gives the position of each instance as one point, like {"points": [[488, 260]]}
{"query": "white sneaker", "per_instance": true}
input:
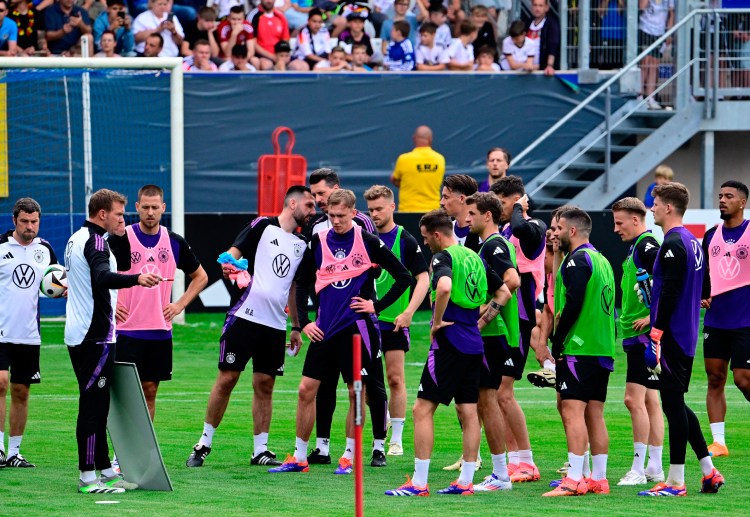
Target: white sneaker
{"points": [[492, 482], [633, 478], [395, 449], [653, 104], [655, 478]]}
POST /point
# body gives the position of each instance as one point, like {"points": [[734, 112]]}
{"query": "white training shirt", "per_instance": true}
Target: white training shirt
{"points": [[519, 55], [534, 34], [463, 54], [436, 55], [147, 20], [653, 19], [443, 36]]}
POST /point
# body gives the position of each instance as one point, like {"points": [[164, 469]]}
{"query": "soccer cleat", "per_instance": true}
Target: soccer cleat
{"points": [[492, 482], [265, 458], [456, 489], [117, 481], [378, 459], [525, 473], [455, 466], [97, 487], [543, 378], [290, 465], [395, 449], [18, 462], [344, 467], [632, 478], [600, 486], [568, 487], [409, 489], [316, 458], [716, 449], [712, 483], [564, 469], [2, 458], [655, 478], [664, 490], [198, 456]]}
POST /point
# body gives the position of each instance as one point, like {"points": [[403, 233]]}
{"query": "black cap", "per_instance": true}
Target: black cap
{"points": [[282, 46]]}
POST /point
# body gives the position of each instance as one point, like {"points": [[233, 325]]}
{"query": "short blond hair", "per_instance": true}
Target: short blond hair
{"points": [[664, 171], [632, 205], [378, 191], [344, 197]]}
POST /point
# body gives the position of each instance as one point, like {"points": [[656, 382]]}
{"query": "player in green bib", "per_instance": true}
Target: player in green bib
{"points": [[584, 344], [641, 396], [396, 319]]}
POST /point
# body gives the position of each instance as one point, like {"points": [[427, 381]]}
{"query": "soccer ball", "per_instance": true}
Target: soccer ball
{"points": [[54, 281]]}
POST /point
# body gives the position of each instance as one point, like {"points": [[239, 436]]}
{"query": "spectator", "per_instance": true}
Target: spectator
{"points": [[30, 22], [237, 61], [610, 42], [360, 58], [439, 16], [184, 13], [518, 50], [461, 50], [400, 8], [65, 24], [336, 62], [296, 12], [486, 60], [8, 32], [93, 7], [108, 43], [225, 5], [200, 61], [492, 10], [267, 34], [485, 29], [203, 27], [498, 162], [355, 33], [419, 175], [282, 53], [159, 19], [430, 57], [657, 17], [236, 30], [115, 20], [312, 43], [741, 36], [662, 174], [400, 54], [544, 32], [153, 46]]}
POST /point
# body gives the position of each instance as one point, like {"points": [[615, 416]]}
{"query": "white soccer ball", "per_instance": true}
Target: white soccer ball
{"points": [[54, 281]]}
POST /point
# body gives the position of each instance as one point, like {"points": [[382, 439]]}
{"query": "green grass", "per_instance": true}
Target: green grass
{"points": [[228, 484]]}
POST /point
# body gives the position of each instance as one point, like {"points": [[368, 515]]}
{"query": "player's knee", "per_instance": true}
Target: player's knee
{"points": [[3, 386], [307, 392], [227, 380], [263, 385], [742, 381], [634, 403], [19, 393], [395, 380], [716, 380]]}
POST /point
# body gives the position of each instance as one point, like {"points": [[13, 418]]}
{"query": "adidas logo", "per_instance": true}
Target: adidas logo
{"points": [[36, 377], [363, 372], [655, 377], [275, 242], [8, 256], [571, 263], [281, 369], [205, 434], [637, 455], [669, 254], [380, 354], [648, 246], [563, 386], [151, 259], [420, 387], [497, 251], [435, 262], [325, 441], [705, 335], [345, 268], [509, 362]]}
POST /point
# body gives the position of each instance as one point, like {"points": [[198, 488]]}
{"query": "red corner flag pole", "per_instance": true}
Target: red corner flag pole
{"points": [[358, 471]]}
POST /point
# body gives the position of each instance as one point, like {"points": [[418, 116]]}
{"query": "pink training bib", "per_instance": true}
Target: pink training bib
{"points": [[333, 269], [729, 263], [526, 265]]}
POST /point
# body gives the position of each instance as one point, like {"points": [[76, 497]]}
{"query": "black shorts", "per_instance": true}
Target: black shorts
{"points": [[22, 361], [492, 363], [728, 344], [646, 40], [676, 368], [333, 356], [513, 361], [450, 375], [582, 378], [242, 339], [390, 340], [152, 357], [637, 371]]}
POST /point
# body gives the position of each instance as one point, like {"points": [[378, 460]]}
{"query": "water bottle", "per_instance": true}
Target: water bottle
{"points": [[644, 284]]}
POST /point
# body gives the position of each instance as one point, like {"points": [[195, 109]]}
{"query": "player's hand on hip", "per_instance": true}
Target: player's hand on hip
{"points": [[312, 331], [641, 324], [172, 310], [361, 305], [148, 279], [438, 326], [402, 321], [121, 313]]}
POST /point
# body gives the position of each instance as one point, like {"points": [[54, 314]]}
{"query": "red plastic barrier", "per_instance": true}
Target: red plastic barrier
{"points": [[277, 172]]}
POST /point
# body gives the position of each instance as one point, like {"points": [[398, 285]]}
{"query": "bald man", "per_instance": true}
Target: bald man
{"points": [[419, 175]]}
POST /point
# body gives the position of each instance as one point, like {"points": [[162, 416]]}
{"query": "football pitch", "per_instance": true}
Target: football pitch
{"points": [[227, 484]]}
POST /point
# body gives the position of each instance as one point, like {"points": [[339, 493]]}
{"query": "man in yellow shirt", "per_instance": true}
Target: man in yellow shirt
{"points": [[419, 175]]}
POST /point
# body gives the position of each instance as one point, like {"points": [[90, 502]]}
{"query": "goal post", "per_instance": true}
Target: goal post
{"points": [[8, 143]]}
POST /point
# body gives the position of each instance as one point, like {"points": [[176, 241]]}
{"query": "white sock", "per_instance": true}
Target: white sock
{"points": [[586, 470], [575, 472], [707, 465], [421, 470], [349, 450], [208, 435], [323, 444], [676, 475], [599, 471], [499, 467], [108, 473], [654, 459], [378, 445], [2, 441], [639, 457], [397, 430], [14, 445], [467, 473], [550, 365], [260, 443], [300, 449], [88, 476], [526, 456], [717, 429], [513, 457]]}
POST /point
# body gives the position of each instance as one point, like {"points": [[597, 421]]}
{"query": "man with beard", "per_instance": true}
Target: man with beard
{"points": [[498, 162]]}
